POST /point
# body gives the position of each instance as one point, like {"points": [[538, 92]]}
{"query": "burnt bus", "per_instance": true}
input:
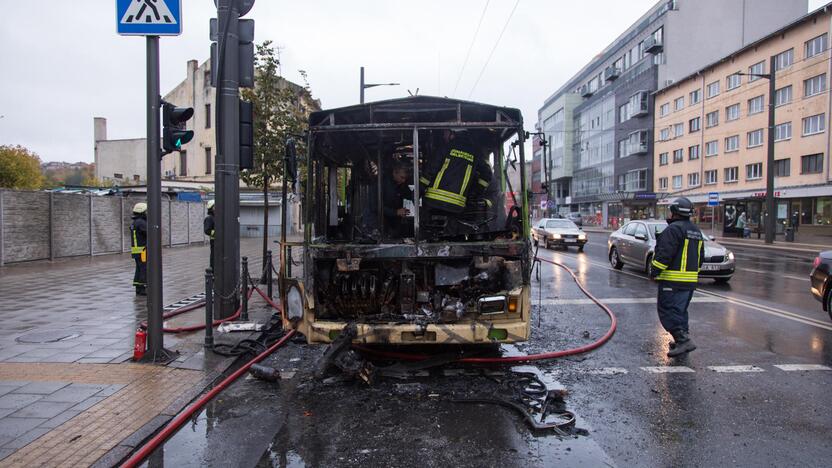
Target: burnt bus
{"points": [[378, 250]]}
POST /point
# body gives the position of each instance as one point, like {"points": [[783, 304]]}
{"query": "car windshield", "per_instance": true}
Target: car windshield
{"points": [[560, 224]]}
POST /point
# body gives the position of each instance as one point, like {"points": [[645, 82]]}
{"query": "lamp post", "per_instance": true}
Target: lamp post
{"points": [[541, 138], [371, 85], [771, 216]]}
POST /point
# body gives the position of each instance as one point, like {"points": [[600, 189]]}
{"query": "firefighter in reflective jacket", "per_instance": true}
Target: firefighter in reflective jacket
{"points": [[208, 228], [451, 173], [678, 257], [138, 247]]}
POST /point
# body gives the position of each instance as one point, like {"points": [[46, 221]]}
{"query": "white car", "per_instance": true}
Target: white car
{"points": [[558, 232]]}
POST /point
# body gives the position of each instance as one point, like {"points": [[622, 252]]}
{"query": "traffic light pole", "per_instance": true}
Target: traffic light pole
{"points": [[155, 345], [227, 175]]}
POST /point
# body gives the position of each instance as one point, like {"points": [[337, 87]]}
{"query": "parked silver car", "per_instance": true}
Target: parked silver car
{"points": [[634, 243]]}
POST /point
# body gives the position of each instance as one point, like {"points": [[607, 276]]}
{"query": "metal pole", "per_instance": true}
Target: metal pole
{"points": [[771, 216], [227, 208], [51, 226], [416, 185], [155, 344], [2, 226], [269, 274], [362, 86], [284, 206], [91, 226], [209, 308], [244, 290]]}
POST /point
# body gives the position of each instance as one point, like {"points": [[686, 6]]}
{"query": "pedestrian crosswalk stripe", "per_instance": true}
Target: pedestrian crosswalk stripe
{"points": [[736, 369], [802, 367], [607, 371], [667, 369]]}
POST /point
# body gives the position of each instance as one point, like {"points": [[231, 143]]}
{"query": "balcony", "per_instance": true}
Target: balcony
{"points": [[640, 105], [611, 73], [636, 148], [653, 46]]}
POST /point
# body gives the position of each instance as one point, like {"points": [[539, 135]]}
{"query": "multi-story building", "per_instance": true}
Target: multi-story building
{"points": [[607, 107], [716, 139]]}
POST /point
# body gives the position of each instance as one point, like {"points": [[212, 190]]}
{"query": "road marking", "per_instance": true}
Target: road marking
{"points": [[667, 369], [617, 300], [606, 371], [802, 367], [774, 273], [735, 369]]}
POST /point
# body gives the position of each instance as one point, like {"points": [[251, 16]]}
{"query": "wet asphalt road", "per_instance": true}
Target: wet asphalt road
{"points": [[726, 404]]}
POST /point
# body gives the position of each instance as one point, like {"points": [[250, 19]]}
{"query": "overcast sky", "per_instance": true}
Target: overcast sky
{"points": [[62, 62]]}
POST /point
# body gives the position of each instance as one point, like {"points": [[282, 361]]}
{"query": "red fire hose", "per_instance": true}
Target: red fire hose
{"points": [[195, 306], [527, 358]]}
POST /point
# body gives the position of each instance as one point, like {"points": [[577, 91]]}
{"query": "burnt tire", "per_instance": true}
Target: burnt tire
{"points": [[615, 259]]}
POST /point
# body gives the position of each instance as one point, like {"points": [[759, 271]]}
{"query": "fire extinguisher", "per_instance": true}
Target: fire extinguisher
{"points": [[141, 344]]}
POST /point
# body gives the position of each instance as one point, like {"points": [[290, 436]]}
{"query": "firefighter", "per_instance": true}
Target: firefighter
{"points": [[138, 247], [452, 172], [208, 228], [678, 257]]}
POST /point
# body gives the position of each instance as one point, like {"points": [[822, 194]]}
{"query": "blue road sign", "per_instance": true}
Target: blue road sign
{"points": [[713, 198], [149, 17]]}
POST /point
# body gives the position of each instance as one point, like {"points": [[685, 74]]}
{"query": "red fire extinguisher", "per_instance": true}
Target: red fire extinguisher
{"points": [[141, 344]]}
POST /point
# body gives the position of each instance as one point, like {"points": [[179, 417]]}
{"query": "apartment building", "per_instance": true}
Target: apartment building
{"points": [[711, 132], [600, 122]]}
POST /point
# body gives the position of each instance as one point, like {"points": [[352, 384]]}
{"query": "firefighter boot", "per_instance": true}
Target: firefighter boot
{"points": [[141, 290], [682, 344]]}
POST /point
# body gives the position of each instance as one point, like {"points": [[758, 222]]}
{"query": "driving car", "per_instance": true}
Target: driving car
{"points": [[558, 232], [633, 244], [821, 279]]}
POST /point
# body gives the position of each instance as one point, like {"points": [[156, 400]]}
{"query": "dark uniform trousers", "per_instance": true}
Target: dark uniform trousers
{"points": [[673, 308], [140, 274]]}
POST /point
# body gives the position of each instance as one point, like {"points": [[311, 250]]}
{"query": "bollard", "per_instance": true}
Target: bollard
{"points": [[209, 308], [289, 261], [244, 287], [269, 268]]}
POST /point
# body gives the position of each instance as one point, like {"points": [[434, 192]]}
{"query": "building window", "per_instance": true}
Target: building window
{"points": [[713, 89], [623, 113], [208, 163], [678, 130], [712, 119], [754, 171], [814, 85], [695, 96], [732, 174], [693, 152], [635, 180], [664, 109], [710, 177], [814, 125], [756, 105], [732, 112], [662, 183], [732, 143], [679, 103], [694, 124], [207, 115], [664, 134], [783, 96], [782, 167], [663, 159], [677, 181], [678, 156], [755, 138], [693, 179], [183, 163], [758, 68], [811, 164], [784, 60], [733, 81], [815, 46], [783, 131], [712, 148]]}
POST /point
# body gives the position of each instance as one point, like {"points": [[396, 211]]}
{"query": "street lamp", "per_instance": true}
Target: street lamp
{"points": [[771, 217], [371, 85], [543, 144]]}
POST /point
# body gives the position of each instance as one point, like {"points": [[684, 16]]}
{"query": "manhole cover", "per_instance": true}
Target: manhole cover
{"points": [[50, 336]]}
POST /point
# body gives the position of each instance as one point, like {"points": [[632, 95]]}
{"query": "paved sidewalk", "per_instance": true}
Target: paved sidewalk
{"points": [[68, 394]]}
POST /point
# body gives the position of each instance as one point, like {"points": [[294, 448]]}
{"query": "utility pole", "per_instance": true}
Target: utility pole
{"points": [[363, 86]]}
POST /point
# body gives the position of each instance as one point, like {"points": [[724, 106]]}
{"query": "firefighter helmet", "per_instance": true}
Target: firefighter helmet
{"points": [[140, 208], [210, 205], [682, 207]]}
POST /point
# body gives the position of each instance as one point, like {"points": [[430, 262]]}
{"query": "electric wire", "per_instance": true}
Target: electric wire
{"points": [[487, 60], [470, 47]]}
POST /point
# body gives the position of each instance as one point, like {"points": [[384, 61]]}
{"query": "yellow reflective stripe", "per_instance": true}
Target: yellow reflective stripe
{"points": [[684, 266], [441, 173], [462, 154], [483, 183], [445, 196], [212, 234], [488, 202], [465, 180], [659, 265], [424, 181], [699, 252], [134, 247]]}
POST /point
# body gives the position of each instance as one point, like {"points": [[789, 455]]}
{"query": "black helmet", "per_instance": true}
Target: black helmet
{"points": [[682, 207]]}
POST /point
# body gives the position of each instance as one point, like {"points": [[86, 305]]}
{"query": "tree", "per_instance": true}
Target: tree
{"points": [[19, 168], [281, 110]]}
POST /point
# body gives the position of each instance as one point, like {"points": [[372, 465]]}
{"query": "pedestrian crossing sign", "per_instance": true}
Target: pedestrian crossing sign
{"points": [[149, 17]]}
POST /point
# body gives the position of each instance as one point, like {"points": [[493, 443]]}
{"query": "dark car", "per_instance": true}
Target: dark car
{"points": [[821, 278]]}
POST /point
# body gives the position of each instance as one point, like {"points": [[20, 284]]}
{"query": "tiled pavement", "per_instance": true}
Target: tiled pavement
{"points": [[64, 399]]}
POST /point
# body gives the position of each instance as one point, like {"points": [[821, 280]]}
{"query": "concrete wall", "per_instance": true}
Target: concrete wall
{"points": [[45, 225]]}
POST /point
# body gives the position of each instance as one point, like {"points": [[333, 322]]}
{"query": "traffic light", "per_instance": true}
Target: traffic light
{"points": [[246, 135], [174, 134]]}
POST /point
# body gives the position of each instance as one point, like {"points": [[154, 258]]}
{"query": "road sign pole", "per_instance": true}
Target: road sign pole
{"points": [[155, 345]]}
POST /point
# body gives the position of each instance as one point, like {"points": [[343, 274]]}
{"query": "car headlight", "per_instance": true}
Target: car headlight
{"points": [[294, 304], [731, 256], [582, 236], [555, 236]]}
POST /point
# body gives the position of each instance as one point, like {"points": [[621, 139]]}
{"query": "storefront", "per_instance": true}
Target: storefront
{"points": [[640, 205]]}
